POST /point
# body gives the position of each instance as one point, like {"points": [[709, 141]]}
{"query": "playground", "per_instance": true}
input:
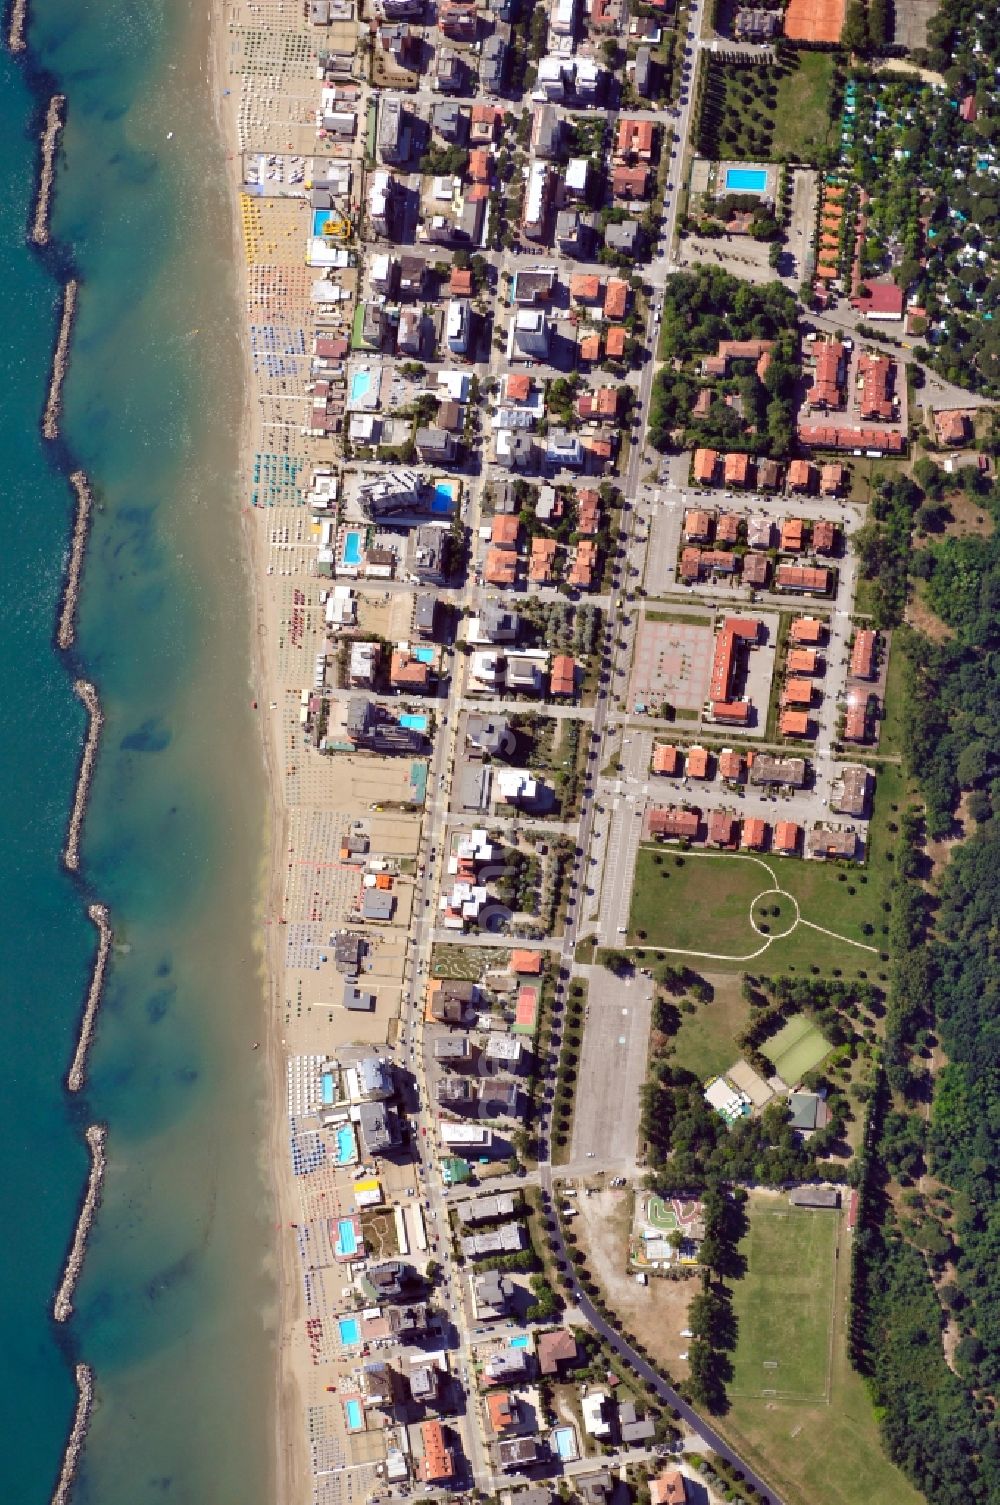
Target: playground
{"points": [[665, 1232]]}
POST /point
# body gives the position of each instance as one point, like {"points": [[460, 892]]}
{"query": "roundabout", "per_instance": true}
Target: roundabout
{"points": [[774, 913]]}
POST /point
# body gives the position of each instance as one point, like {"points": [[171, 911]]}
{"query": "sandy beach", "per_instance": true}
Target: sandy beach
{"points": [[308, 801]]}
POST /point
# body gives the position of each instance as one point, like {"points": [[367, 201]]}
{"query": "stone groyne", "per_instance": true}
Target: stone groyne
{"points": [[88, 694], [63, 1491], [16, 38], [66, 630], [60, 361], [62, 1306], [55, 116], [77, 1073]]}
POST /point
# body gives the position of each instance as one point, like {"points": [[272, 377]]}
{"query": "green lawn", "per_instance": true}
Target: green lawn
{"points": [[828, 1450], [770, 111], [701, 903], [784, 1303], [802, 109], [705, 1043]]}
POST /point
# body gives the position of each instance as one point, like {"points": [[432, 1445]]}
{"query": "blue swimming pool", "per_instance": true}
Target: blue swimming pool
{"points": [[563, 1440], [347, 1238], [347, 1145], [355, 1417], [352, 548], [350, 1331], [520, 1341], [327, 1086], [361, 385], [746, 179], [414, 723], [320, 217], [424, 655], [443, 499]]}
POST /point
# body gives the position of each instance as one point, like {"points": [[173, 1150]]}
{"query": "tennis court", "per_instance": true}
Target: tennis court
{"points": [[795, 1049], [814, 20]]}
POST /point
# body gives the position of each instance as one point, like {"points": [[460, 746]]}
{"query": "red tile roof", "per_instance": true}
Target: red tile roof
{"points": [[615, 298], [505, 529], [754, 834], [666, 760], [562, 679], [794, 724], [614, 340], [705, 461], [634, 138], [863, 654], [883, 298]]}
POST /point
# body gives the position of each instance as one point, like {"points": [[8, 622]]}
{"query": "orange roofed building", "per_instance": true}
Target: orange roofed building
{"points": [[438, 1462], [585, 288], [680, 825], [562, 678], [581, 573], [634, 139], [792, 535], [526, 963], [794, 724], [505, 530], [614, 340], [615, 298], [668, 1488], [502, 1409], [802, 661], [697, 763], [754, 836], [705, 463], [737, 470], [800, 476], [407, 672], [786, 837], [541, 560], [666, 760], [500, 567], [807, 630], [731, 765]]}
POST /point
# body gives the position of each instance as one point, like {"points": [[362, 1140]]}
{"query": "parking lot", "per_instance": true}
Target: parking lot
{"points": [[612, 1069]]}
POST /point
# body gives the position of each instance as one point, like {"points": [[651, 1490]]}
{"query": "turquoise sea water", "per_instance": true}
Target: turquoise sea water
{"points": [[175, 1307]]}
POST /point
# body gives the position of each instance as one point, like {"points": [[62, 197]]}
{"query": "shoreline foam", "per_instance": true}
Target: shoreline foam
{"points": [[96, 1137], [87, 692], [66, 630], [74, 1443], [60, 360], [55, 119], [77, 1074]]}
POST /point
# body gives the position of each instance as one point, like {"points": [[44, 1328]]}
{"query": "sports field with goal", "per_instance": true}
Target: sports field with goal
{"points": [[784, 1303]]}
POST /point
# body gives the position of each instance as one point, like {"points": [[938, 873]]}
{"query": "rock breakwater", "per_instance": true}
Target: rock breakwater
{"points": [[66, 630], [55, 117], [60, 360], [62, 1306], [88, 694]]}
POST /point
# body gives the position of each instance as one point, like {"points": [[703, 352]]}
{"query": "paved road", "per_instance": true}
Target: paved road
{"points": [[665, 1392]]}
